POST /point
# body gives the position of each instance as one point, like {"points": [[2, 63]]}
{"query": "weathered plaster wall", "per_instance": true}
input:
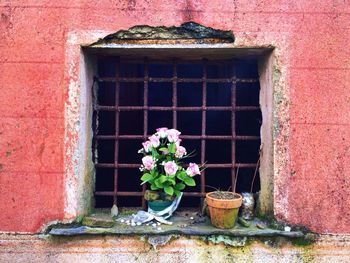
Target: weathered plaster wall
{"points": [[121, 249], [311, 98]]}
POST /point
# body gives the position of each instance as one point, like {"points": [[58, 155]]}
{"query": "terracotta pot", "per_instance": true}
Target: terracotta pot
{"points": [[223, 212]]}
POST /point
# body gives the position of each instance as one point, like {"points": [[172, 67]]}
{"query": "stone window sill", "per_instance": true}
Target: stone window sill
{"points": [[185, 223]]}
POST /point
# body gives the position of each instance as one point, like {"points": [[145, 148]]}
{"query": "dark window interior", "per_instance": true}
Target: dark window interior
{"points": [[133, 98]]}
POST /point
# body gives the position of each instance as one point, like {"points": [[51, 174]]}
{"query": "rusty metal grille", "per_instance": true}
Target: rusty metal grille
{"points": [[120, 79]]}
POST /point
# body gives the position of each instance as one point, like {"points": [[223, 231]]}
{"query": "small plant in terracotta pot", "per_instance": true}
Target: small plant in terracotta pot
{"points": [[223, 207]]}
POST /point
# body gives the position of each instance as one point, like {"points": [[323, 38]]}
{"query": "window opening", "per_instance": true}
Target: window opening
{"points": [[214, 103]]}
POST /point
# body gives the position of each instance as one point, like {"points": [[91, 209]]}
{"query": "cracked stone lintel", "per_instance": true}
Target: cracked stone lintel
{"points": [[189, 32]]}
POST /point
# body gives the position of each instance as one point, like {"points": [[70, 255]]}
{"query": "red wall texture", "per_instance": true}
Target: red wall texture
{"points": [[32, 51]]}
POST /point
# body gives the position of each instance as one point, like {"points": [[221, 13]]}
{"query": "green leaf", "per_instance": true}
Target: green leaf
{"points": [[162, 178], [172, 176], [179, 186], [189, 181], [158, 183], [167, 183], [146, 177], [155, 154], [153, 187], [182, 175], [163, 149], [177, 192], [172, 148], [153, 173], [169, 190], [171, 180]]}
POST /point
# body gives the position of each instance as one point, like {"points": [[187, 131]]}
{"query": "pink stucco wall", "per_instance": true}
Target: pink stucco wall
{"points": [[316, 35]]}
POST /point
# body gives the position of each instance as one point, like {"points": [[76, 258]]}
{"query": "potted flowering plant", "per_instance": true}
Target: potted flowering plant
{"points": [[162, 168]]}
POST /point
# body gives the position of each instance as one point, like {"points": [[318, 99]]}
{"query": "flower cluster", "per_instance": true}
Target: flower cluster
{"points": [[161, 164]]}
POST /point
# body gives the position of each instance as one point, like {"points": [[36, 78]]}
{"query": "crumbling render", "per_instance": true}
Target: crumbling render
{"points": [[189, 32]]}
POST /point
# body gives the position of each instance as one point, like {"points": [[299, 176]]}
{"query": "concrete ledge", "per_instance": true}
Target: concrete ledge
{"points": [[188, 231], [186, 224]]}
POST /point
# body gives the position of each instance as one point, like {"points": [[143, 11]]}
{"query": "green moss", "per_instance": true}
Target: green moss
{"points": [[98, 221], [127, 211], [79, 219], [227, 240], [87, 200], [308, 240], [227, 219]]}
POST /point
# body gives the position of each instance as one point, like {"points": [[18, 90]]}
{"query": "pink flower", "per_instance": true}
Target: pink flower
{"points": [[170, 168], [180, 151], [154, 141], [192, 169], [148, 162], [162, 132], [147, 145], [173, 135], [177, 143]]}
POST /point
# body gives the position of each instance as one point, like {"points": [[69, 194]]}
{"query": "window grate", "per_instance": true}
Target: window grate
{"points": [[203, 137]]}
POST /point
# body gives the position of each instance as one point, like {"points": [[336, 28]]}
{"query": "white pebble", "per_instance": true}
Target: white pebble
{"points": [[127, 221], [287, 228], [159, 228], [122, 220], [133, 224], [158, 224], [191, 217], [138, 223], [154, 224]]}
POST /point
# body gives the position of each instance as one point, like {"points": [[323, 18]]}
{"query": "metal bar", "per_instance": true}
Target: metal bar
{"points": [[125, 193], [158, 108], [204, 123], [145, 117], [240, 165], [208, 165], [174, 95], [191, 137], [116, 144], [233, 128], [119, 193], [191, 80], [222, 137], [194, 194]]}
